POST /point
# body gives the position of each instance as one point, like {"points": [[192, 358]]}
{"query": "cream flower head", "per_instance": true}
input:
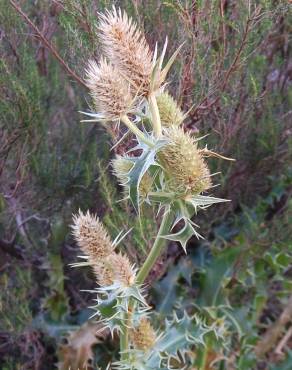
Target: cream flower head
{"points": [[110, 92], [91, 236], [126, 47]]}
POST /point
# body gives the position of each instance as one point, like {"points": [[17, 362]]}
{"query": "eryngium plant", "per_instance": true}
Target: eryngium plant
{"points": [[170, 173]]}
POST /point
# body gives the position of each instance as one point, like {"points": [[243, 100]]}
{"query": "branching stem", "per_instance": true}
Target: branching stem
{"points": [[144, 271], [132, 127], [157, 247], [156, 121]]}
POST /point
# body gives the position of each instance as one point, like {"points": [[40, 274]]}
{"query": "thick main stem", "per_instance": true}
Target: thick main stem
{"points": [[164, 227], [144, 271], [156, 121], [132, 127], [157, 247]]}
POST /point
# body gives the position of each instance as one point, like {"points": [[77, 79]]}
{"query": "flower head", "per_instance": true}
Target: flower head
{"points": [[104, 273], [110, 91], [115, 268], [121, 168], [91, 236], [126, 47], [122, 268], [183, 163], [143, 336], [170, 112]]}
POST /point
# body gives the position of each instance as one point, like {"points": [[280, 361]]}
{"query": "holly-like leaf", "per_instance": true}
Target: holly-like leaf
{"points": [[184, 234], [141, 165], [180, 334], [113, 302], [212, 280]]}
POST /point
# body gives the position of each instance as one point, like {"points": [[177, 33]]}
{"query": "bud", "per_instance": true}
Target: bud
{"points": [[121, 168], [183, 163], [126, 47], [109, 90], [143, 336], [170, 112], [91, 236]]}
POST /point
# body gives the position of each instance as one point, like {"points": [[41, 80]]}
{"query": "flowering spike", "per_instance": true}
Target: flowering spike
{"points": [[126, 47], [170, 112], [91, 236], [122, 269], [183, 162], [110, 92], [104, 274], [143, 336]]}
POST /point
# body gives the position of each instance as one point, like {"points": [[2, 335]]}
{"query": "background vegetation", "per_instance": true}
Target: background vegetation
{"points": [[235, 68]]}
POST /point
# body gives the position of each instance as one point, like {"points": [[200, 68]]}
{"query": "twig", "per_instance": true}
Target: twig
{"points": [[221, 5], [48, 44], [230, 70], [273, 333], [283, 342]]}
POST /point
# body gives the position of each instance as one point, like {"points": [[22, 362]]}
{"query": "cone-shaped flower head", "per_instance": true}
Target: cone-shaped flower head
{"points": [[103, 273], [143, 336], [121, 168], [122, 268], [183, 163], [125, 46], [170, 112], [91, 236], [109, 90], [114, 268]]}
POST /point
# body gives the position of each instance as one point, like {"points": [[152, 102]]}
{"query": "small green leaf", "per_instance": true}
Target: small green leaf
{"points": [[183, 235]]}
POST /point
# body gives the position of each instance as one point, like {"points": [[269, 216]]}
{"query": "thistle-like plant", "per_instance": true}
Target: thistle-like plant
{"points": [[170, 172]]}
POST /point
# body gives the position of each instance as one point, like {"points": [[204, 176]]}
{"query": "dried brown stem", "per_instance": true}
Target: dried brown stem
{"points": [[231, 69], [275, 331], [47, 44]]}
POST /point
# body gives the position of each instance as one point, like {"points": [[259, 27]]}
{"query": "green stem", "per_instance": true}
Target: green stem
{"points": [[156, 122], [124, 340], [143, 273], [204, 357], [157, 247], [132, 127]]}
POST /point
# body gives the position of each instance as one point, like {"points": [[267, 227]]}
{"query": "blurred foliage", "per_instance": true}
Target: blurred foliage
{"points": [[51, 165]]}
